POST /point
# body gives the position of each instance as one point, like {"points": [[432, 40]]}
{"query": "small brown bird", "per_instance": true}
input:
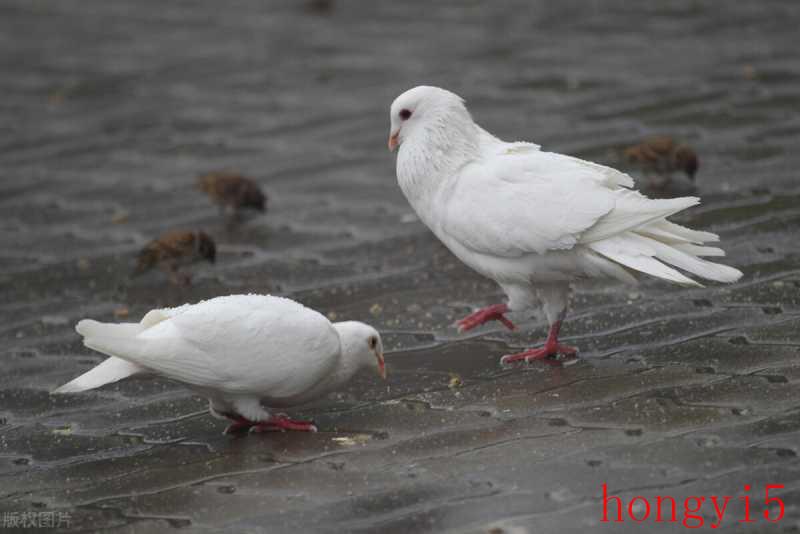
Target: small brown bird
{"points": [[660, 156], [232, 192], [173, 250]]}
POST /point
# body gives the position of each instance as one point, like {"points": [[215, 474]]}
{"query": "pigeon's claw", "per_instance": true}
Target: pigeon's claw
{"points": [[238, 426], [282, 423], [484, 315], [551, 348], [540, 353]]}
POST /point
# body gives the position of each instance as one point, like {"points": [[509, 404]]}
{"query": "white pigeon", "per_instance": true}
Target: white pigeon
{"points": [[238, 351], [534, 221]]}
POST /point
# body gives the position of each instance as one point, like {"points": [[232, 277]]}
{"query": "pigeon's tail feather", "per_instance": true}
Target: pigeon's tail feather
{"points": [[669, 232], [634, 252], [658, 256], [697, 250], [693, 264], [89, 328], [633, 211], [111, 370], [110, 339], [683, 248]]}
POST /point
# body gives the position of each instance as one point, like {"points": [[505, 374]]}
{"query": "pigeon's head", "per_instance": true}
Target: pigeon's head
{"points": [[423, 108], [362, 346]]}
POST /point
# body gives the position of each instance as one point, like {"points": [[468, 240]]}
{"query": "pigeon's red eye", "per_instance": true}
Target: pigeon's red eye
{"points": [[405, 114]]}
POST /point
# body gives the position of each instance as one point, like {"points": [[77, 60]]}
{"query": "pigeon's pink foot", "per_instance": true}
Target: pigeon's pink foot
{"points": [[484, 315], [538, 354], [551, 348], [282, 423]]}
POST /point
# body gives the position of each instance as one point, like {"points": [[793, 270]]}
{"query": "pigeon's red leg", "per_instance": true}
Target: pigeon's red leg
{"points": [[281, 422], [484, 315], [551, 347]]}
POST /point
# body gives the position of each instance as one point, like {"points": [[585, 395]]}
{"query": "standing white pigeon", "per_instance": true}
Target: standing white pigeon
{"points": [[532, 220], [237, 351]]}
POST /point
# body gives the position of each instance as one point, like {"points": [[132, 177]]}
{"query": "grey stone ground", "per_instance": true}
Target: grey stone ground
{"points": [[110, 108]]}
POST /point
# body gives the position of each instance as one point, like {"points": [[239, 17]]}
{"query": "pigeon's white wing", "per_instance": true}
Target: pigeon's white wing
{"points": [[523, 201], [492, 146], [532, 202], [248, 344], [607, 176]]}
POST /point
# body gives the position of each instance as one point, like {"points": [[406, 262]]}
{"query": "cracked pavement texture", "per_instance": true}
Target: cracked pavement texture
{"points": [[111, 108]]}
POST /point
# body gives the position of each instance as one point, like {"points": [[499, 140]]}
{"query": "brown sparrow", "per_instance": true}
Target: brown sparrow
{"points": [[660, 157], [173, 250], [232, 192]]}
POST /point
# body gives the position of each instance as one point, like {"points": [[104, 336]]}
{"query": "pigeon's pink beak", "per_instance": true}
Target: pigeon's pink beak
{"points": [[393, 141], [381, 365]]}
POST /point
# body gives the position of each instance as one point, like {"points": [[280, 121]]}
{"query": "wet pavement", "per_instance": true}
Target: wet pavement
{"points": [[111, 108]]}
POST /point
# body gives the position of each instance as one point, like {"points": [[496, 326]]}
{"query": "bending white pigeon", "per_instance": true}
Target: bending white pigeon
{"points": [[533, 220], [238, 351]]}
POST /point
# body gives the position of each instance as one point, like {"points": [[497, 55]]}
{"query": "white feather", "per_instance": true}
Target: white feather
{"points": [[639, 253], [697, 250], [631, 211], [669, 232], [109, 371]]}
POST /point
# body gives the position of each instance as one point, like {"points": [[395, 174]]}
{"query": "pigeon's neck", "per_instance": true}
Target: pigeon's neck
{"points": [[433, 154], [346, 369], [351, 359]]}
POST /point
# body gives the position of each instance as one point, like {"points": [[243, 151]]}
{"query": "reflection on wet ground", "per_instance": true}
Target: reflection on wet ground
{"points": [[110, 110]]}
